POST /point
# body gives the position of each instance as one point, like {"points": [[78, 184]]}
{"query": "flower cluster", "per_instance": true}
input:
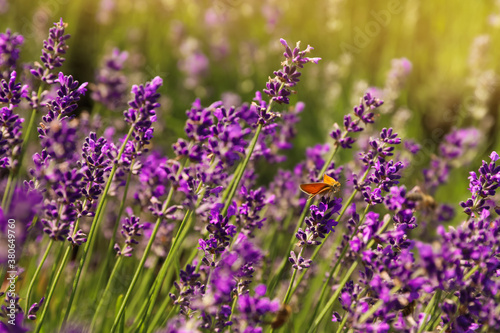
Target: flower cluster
{"points": [[279, 87], [319, 224], [110, 87], [363, 113], [10, 44], [68, 94], [132, 229], [452, 152], [54, 49], [482, 186]]}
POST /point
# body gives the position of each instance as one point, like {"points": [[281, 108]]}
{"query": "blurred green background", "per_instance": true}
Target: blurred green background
{"points": [[451, 44]]}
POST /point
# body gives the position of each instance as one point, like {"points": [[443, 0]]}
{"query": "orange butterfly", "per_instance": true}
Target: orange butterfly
{"points": [[328, 185]]}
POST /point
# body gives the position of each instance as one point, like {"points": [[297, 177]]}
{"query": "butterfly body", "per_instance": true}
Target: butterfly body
{"points": [[328, 185]]}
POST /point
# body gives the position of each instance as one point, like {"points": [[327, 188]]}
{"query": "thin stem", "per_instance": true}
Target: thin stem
{"points": [[103, 299], [94, 226], [242, 171], [37, 272], [337, 264], [328, 305], [7, 190], [138, 271], [160, 314], [233, 308], [290, 285], [164, 269], [160, 278], [342, 323], [231, 183], [52, 288], [277, 277], [109, 253], [330, 159], [426, 311], [346, 278]]}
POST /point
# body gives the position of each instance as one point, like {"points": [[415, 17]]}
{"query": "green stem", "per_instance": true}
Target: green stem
{"points": [[160, 314], [242, 171], [37, 272], [328, 305], [277, 277], [233, 308], [342, 323], [337, 264], [346, 278], [7, 190], [231, 183], [176, 242], [109, 253], [330, 159], [52, 288], [138, 271], [94, 226], [290, 285], [426, 311], [103, 299], [165, 267]]}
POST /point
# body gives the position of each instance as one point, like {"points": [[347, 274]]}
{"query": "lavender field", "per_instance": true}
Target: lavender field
{"points": [[248, 167]]}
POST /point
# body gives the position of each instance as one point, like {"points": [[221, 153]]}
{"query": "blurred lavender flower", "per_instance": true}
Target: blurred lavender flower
{"points": [[59, 140], [110, 87], [12, 315], [54, 48], [452, 152], [34, 309], [10, 43], [10, 137], [252, 309], [105, 12], [23, 207], [395, 82], [195, 66]]}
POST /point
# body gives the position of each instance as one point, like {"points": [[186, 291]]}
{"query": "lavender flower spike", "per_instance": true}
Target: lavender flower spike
{"points": [[9, 52], [110, 88], [53, 50]]}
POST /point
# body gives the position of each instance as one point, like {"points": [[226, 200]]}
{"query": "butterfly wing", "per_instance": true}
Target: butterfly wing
{"points": [[314, 188]]}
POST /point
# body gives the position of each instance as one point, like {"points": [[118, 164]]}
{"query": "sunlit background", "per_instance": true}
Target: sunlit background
{"points": [[433, 62]]}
